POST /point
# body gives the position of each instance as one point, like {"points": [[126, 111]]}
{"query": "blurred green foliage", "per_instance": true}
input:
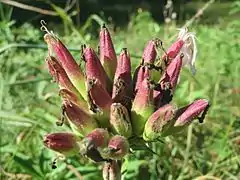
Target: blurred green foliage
{"points": [[30, 106]]}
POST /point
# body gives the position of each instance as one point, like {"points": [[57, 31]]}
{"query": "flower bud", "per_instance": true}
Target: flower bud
{"points": [[187, 114], [122, 87], [59, 75], [120, 120], [81, 122], [142, 107], [185, 44], [65, 143], [93, 143], [141, 73], [111, 171], [69, 96], [99, 101], [150, 51], [159, 122], [67, 62], [108, 56], [118, 147], [94, 69], [168, 82]]}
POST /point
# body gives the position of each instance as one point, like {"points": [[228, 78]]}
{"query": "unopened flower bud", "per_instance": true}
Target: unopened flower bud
{"points": [[94, 69], [187, 114], [93, 143], [141, 73], [69, 96], [122, 87], [67, 62], [159, 122], [59, 75], [150, 51], [168, 82], [111, 171], [64, 143], [99, 101], [185, 44], [108, 56], [142, 107], [120, 120], [80, 121], [118, 147]]}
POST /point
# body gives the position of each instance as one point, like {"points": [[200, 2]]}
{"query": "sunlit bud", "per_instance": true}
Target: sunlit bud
{"points": [[185, 44], [159, 122], [67, 95], [118, 147], [59, 75], [99, 101], [150, 51], [142, 107], [108, 56], [187, 114], [111, 171], [64, 143], [79, 119], [141, 73], [68, 63], [122, 87], [120, 120], [94, 69], [93, 143]]}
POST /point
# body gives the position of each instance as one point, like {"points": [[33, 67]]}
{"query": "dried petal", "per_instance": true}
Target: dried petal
{"points": [[108, 56]]}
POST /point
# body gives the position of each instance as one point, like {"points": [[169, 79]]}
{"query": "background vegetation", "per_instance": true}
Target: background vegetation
{"points": [[30, 106]]}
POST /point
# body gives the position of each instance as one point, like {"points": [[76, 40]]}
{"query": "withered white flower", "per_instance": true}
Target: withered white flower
{"points": [[189, 48]]}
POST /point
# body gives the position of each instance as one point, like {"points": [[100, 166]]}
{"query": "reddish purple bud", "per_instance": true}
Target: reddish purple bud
{"points": [[118, 147], [111, 171], [65, 143], [108, 56], [140, 74], [174, 50], [99, 101], [150, 51], [122, 87], [69, 96], [67, 62], [93, 143], [142, 107], [80, 120], [168, 82], [159, 122], [94, 69], [59, 75], [187, 114]]}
